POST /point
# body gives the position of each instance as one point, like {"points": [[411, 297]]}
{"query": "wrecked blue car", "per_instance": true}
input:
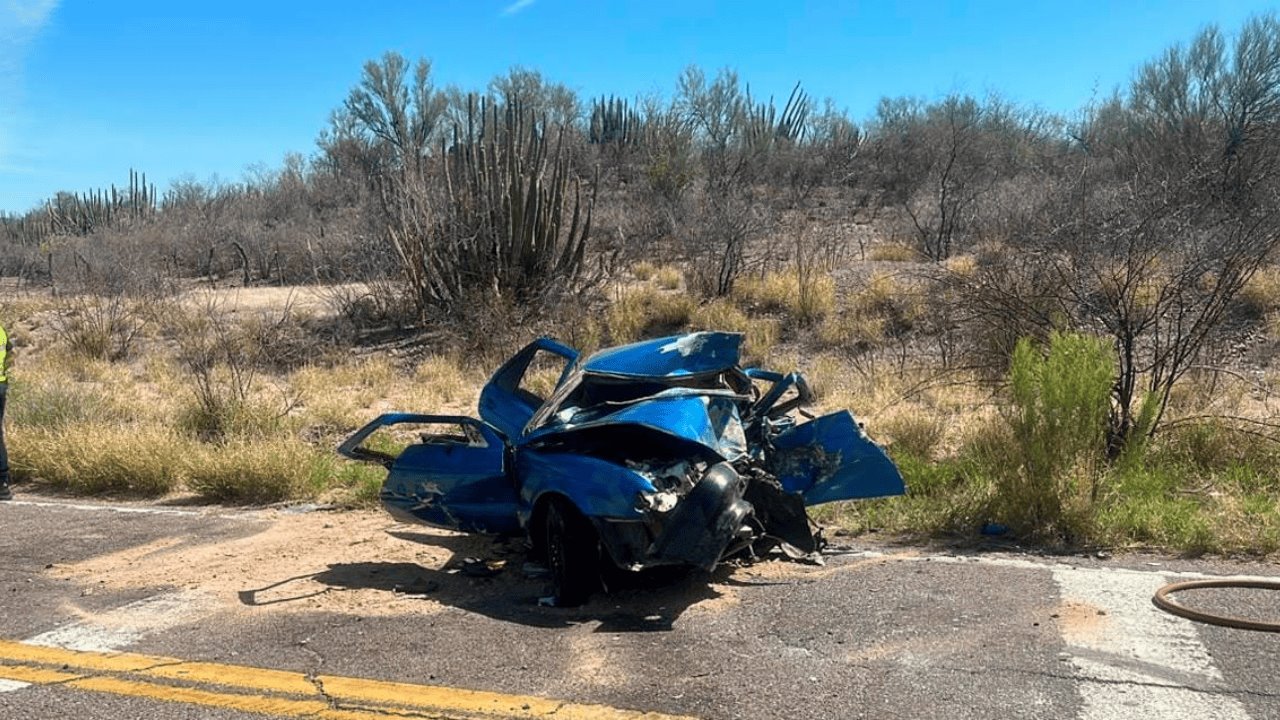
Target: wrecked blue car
{"points": [[662, 452]]}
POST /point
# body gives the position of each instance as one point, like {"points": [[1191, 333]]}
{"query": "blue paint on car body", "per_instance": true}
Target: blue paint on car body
{"points": [[625, 437]]}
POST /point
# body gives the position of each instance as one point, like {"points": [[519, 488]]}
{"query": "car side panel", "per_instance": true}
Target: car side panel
{"points": [[599, 488], [830, 458]]}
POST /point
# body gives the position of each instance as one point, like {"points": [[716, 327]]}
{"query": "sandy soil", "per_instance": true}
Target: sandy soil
{"points": [[364, 562], [341, 561], [305, 298]]}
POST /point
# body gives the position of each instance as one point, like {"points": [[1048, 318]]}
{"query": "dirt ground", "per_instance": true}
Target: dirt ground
{"points": [[357, 562]]}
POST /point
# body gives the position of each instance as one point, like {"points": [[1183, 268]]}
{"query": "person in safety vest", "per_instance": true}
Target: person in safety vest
{"points": [[6, 354]]}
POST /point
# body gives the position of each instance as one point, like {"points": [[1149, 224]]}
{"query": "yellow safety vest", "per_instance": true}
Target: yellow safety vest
{"points": [[4, 355]]}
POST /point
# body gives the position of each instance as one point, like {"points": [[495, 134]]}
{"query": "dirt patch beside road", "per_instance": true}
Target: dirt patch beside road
{"points": [[340, 561], [365, 563]]}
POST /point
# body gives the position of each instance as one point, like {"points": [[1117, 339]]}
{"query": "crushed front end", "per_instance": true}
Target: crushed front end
{"points": [[724, 458]]}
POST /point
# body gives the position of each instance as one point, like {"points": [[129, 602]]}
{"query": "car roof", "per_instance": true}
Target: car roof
{"points": [[690, 354]]}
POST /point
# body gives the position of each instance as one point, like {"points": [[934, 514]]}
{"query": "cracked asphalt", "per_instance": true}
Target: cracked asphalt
{"points": [[878, 632]]}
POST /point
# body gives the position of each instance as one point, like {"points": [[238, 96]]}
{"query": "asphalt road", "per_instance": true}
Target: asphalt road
{"points": [[878, 632]]}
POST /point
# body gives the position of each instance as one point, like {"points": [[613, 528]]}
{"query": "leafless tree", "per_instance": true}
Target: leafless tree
{"points": [[1168, 208]]}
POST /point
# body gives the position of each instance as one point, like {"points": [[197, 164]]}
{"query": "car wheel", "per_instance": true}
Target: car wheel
{"points": [[573, 553]]}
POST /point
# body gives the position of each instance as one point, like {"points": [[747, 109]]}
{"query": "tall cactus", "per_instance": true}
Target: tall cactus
{"points": [[764, 126], [614, 121], [83, 213], [498, 224]]}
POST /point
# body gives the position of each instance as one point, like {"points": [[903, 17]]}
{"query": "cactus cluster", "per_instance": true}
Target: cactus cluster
{"points": [[764, 126], [82, 213], [509, 221], [614, 121]]}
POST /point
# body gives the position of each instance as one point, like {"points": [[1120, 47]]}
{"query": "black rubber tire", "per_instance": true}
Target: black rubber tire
{"points": [[573, 553]]}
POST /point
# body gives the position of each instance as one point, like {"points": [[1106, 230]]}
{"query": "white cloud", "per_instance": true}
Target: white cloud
{"points": [[516, 7], [21, 21], [30, 15]]}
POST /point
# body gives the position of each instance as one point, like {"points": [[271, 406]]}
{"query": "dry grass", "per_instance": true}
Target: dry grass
{"points": [[92, 458], [851, 331], [644, 270], [882, 307], [804, 298], [1261, 293], [964, 266], [259, 471], [669, 278], [761, 334], [913, 430], [123, 427], [666, 277], [648, 312], [894, 252]]}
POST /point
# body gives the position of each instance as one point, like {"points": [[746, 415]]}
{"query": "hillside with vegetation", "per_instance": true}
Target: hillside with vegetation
{"points": [[1060, 325]]}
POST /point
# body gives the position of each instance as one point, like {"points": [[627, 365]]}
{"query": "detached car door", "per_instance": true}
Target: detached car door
{"points": [[454, 475]]}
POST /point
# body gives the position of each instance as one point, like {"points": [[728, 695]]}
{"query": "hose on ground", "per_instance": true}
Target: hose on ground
{"points": [[1168, 604]]}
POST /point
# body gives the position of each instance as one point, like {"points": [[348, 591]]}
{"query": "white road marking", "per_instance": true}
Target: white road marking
{"points": [[1133, 661], [1015, 562], [1130, 656], [127, 509], [117, 629]]}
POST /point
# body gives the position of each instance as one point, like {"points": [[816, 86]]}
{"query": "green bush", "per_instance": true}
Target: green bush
{"points": [[1049, 466]]}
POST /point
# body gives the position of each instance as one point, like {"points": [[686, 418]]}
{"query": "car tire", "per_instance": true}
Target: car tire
{"points": [[573, 553]]}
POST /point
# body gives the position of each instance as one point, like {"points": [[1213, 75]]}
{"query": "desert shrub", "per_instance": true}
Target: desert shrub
{"points": [[92, 458], [1048, 464], [287, 339], [101, 327], [259, 472], [222, 360]]}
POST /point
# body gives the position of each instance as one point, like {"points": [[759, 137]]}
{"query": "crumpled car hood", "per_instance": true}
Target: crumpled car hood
{"points": [[693, 354], [691, 389]]}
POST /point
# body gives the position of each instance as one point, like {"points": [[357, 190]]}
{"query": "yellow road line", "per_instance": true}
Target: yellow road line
{"points": [[82, 659], [34, 675], [343, 697]]}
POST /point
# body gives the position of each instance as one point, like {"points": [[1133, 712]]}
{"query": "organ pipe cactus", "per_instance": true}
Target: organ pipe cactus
{"points": [[507, 218]]}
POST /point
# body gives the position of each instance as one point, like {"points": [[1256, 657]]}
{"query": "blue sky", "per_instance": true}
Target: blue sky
{"points": [[89, 89]]}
